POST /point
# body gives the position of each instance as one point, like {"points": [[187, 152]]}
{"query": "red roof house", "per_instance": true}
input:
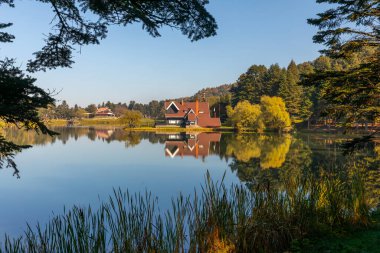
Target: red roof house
{"points": [[104, 112], [189, 114]]}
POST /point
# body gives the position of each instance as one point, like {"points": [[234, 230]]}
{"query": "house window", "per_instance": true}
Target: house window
{"points": [[174, 122]]}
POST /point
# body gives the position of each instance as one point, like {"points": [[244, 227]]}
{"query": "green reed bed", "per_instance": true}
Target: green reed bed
{"points": [[215, 219]]}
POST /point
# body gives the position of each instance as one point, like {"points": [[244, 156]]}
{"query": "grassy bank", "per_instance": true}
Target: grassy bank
{"points": [[97, 122], [180, 129], [217, 219], [350, 240]]}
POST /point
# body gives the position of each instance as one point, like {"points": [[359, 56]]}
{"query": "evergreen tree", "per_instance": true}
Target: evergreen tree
{"points": [[349, 29], [291, 92], [297, 101], [91, 108], [292, 74], [251, 85], [273, 78], [19, 101]]}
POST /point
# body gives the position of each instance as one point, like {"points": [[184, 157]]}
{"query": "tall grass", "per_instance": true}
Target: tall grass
{"points": [[215, 219]]}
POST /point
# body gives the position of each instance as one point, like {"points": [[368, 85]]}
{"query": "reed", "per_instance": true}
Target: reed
{"points": [[215, 219]]}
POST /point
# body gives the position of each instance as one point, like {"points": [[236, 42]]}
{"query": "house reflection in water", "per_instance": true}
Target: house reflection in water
{"points": [[103, 134], [195, 145]]}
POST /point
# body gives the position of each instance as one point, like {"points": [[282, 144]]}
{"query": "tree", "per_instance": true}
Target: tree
{"points": [[79, 23], [273, 78], [19, 101], [91, 108], [251, 85], [246, 115], [291, 92], [131, 105], [120, 110], [274, 113], [348, 29], [154, 108], [80, 113], [131, 118], [296, 97], [47, 113], [63, 111]]}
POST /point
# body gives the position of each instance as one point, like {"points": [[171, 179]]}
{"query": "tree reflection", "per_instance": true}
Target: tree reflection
{"points": [[270, 150], [284, 163], [289, 166]]}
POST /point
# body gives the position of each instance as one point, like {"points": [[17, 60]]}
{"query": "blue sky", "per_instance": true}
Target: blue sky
{"points": [[131, 65]]}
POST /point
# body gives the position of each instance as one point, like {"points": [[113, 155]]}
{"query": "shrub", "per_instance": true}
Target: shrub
{"points": [[131, 119]]}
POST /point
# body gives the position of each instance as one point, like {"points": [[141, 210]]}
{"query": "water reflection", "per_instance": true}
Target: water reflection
{"points": [[281, 161], [262, 151], [308, 170], [197, 145]]}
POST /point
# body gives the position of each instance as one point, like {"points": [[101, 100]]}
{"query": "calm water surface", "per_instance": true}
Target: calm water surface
{"points": [[83, 165]]}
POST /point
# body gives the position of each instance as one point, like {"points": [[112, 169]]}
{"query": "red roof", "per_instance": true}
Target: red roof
{"points": [[193, 110], [209, 122], [191, 116], [103, 110]]}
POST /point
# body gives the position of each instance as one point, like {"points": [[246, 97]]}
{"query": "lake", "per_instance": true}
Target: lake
{"points": [[83, 165]]}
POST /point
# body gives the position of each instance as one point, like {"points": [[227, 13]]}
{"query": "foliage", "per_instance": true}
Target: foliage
{"points": [[251, 85], [260, 81], [19, 101], [87, 22], [219, 91], [131, 118], [350, 31], [245, 115], [292, 93], [91, 108], [274, 112]]}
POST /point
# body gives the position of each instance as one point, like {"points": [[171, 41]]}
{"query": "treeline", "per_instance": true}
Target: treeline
{"points": [[154, 109], [303, 101], [218, 97]]}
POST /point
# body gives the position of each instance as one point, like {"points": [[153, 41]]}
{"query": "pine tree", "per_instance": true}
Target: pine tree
{"points": [[291, 92], [251, 85], [349, 29], [273, 79]]}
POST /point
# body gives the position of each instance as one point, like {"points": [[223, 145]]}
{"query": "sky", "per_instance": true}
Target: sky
{"points": [[131, 65]]}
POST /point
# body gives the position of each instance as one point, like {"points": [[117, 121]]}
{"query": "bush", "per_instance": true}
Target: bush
{"points": [[131, 119]]}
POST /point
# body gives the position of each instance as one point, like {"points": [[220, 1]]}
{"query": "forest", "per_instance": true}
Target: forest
{"points": [[305, 101]]}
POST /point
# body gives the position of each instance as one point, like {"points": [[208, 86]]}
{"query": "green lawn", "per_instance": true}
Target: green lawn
{"points": [[366, 240]]}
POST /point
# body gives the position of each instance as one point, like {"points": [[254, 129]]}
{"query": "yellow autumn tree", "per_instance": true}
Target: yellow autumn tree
{"points": [[274, 113], [246, 116]]}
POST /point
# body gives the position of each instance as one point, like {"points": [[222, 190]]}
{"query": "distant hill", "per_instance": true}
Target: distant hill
{"points": [[221, 90]]}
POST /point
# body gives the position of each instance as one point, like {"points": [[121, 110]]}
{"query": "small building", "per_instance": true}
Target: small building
{"points": [[188, 114], [104, 112]]}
